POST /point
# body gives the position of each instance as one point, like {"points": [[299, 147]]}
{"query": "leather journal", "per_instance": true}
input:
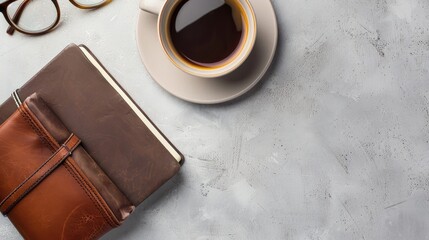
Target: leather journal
{"points": [[50, 186], [80, 128]]}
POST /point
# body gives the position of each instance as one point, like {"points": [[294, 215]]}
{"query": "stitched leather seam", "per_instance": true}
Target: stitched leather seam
{"points": [[87, 190], [33, 126], [99, 199], [49, 140], [44, 133], [53, 145], [34, 184], [94, 202], [29, 122], [71, 172], [36, 126]]}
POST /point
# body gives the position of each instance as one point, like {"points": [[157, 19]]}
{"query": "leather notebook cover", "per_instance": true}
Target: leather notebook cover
{"points": [[127, 146], [50, 187]]}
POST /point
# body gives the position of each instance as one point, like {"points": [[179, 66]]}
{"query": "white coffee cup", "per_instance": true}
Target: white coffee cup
{"points": [[165, 8]]}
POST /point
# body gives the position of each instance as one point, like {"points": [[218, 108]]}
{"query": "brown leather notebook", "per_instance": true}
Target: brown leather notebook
{"points": [[123, 141], [50, 187]]}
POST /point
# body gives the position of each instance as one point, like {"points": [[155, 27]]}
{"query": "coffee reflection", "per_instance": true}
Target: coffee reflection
{"points": [[207, 32]]}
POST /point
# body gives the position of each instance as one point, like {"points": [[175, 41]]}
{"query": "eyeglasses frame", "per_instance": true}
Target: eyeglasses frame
{"points": [[12, 26]]}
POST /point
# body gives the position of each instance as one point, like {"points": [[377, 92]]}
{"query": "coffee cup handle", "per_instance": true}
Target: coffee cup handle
{"points": [[152, 6]]}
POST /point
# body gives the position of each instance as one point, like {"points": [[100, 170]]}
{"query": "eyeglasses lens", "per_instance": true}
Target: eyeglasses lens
{"points": [[33, 16]]}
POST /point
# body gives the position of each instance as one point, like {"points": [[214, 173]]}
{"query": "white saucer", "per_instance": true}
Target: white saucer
{"points": [[209, 90]]}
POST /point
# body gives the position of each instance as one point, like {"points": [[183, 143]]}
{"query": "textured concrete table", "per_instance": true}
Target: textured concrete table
{"points": [[333, 144]]}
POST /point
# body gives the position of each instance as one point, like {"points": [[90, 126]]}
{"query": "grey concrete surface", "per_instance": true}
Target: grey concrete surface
{"points": [[333, 144]]}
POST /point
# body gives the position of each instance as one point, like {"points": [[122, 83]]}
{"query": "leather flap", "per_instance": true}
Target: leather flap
{"points": [[46, 168]]}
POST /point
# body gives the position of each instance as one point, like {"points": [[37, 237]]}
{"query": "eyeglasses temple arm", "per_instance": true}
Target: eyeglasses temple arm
{"points": [[17, 16]]}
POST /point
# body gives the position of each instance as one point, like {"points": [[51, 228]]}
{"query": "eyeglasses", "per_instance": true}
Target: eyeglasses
{"points": [[37, 17]]}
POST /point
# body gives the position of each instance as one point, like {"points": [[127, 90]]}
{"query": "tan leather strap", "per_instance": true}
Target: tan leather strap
{"points": [[41, 173]]}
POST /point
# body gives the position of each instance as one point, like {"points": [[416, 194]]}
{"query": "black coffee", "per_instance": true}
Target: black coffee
{"points": [[207, 32]]}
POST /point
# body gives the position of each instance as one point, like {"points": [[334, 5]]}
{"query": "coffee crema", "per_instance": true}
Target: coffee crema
{"points": [[208, 33]]}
